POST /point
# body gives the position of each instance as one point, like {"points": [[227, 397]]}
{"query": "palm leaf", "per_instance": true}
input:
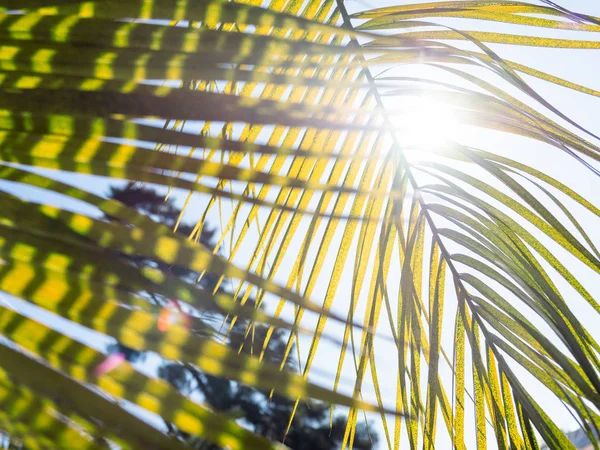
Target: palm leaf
{"points": [[451, 288]]}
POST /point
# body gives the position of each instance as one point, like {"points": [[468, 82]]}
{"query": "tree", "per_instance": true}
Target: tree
{"points": [[409, 195], [266, 415]]}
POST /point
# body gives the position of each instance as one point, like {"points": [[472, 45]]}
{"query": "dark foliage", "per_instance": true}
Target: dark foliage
{"points": [[265, 414]]}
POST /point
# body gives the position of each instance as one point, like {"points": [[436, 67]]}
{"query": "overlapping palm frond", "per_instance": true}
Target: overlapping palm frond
{"points": [[450, 284]]}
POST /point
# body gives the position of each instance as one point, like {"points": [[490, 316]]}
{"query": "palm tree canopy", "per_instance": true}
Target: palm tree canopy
{"points": [[381, 180]]}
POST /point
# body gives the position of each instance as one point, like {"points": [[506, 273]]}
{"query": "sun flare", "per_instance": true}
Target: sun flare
{"points": [[426, 123]]}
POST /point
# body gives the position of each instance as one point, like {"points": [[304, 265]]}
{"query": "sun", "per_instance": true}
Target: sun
{"points": [[426, 122]]}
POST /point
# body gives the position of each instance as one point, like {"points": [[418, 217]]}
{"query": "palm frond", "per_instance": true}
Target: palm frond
{"points": [[452, 283]]}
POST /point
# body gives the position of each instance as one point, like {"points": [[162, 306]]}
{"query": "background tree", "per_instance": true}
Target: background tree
{"points": [[265, 414]]}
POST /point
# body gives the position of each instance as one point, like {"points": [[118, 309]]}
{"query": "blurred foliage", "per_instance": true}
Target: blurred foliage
{"points": [[267, 415]]}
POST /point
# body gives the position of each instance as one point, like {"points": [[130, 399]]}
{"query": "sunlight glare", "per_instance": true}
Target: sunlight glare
{"points": [[427, 123]]}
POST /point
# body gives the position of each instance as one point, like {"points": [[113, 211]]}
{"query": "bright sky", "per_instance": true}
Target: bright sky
{"points": [[580, 66]]}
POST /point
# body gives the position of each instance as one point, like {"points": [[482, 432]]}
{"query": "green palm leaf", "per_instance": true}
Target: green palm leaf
{"points": [[446, 288]]}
